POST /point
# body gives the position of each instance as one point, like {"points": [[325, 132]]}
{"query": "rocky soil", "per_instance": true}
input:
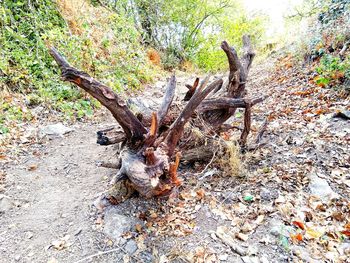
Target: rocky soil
{"points": [[289, 202]]}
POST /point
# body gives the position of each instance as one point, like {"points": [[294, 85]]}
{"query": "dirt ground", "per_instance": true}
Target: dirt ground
{"points": [[288, 203]]}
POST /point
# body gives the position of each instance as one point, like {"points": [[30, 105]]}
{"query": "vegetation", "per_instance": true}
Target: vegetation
{"points": [[115, 41], [102, 43], [327, 40], [190, 31]]}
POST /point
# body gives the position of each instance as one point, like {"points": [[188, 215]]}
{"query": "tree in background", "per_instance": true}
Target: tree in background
{"points": [[190, 30]]}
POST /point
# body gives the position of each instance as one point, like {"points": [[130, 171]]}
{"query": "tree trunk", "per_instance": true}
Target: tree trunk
{"points": [[154, 141]]}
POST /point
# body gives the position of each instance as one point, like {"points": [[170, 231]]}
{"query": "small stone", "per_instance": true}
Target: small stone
{"points": [[5, 203], [320, 187], [302, 253], [115, 225], [247, 259], [263, 259], [131, 247], [267, 195], [223, 257], [252, 250], [54, 130], [122, 241], [29, 235], [276, 227]]}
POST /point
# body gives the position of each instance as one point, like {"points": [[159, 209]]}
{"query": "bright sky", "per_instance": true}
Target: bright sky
{"points": [[275, 9]]}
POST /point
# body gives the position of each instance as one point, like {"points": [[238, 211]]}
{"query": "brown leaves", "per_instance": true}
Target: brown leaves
{"points": [[296, 238], [346, 232], [32, 167], [299, 224]]}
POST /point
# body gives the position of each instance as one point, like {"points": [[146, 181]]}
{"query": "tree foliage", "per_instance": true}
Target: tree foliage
{"points": [[95, 39], [189, 30]]}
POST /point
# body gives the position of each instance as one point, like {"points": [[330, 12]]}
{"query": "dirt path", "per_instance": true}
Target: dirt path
{"points": [[53, 188], [50, 192]]}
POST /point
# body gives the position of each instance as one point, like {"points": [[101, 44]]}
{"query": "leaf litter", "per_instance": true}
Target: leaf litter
{"points": [[269, 212]]}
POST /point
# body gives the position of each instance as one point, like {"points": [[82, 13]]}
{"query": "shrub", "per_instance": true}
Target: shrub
{"points": [[94, 39]]}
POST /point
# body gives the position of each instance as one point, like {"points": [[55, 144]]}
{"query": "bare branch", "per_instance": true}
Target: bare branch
{"points": [[132, 127], [167, 100], [176, 129]]}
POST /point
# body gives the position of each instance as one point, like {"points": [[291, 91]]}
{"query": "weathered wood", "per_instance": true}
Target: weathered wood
{"points": [[133, 128], [188, 131], [226, 103], [167, 100], [110, 136], [247, 124], [191, 90], [152, 134], [238, 75], [176, 130]]}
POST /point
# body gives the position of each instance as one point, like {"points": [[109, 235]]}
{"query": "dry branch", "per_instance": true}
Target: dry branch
{"points": [[158, 139], [132, 127]]}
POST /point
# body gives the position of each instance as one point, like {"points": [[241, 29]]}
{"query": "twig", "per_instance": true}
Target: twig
{"points": [[206, 167], [261, 132], [98, 254]]}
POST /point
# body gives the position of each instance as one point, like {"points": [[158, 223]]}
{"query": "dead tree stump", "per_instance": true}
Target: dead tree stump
{"points": [[155, 142]]}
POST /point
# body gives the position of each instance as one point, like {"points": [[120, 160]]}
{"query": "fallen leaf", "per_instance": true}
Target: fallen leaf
{"points": [[200, 194], [297, 237], [280, 199], [200, 251], [32, 167], [346, 232], [242, 236], [138, 228], [99, 221], [61, 243], [312, 234], [259, 219], [299, 224]]}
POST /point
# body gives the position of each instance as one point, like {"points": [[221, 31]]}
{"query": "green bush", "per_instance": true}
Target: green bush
{"points": [[332, 71], [100, 42]]}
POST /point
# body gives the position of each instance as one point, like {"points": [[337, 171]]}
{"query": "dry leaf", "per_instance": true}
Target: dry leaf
{"points": [[138, 228], [297, 237], [61, 243], [259, 219], [200, 194], [32, 167], [346, 232], [312, 234], [99, 221], [299, 224], [242, 236], [200, 251]]}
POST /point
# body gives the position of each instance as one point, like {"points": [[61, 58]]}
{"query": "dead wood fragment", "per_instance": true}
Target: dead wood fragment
{"points": [[191, 90], [247, 124], [167, 100], [111, 135]]}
